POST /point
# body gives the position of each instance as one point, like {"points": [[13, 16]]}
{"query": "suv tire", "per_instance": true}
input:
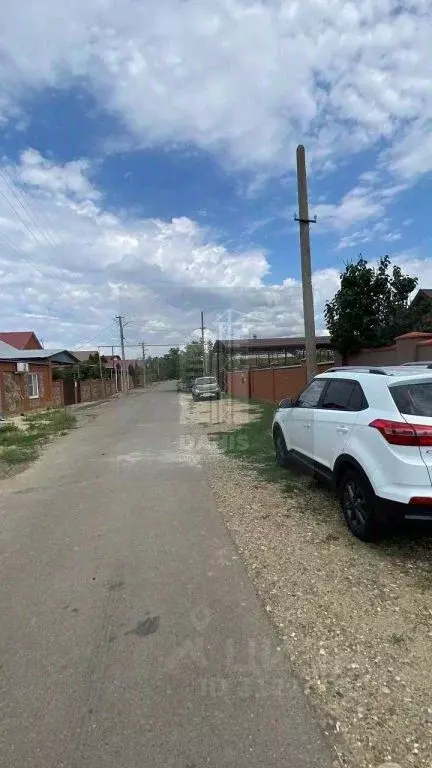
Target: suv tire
{"points": [[357, 500], [281, 450]]}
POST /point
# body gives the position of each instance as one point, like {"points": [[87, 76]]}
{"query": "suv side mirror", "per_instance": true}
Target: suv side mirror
{"points": [[287, 402]]}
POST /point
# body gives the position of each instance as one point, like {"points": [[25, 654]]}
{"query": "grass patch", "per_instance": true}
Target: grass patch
{"points": [[7, 428], [252, 443], [16, 438], [19, 454], [47, 423], [18, 446]]}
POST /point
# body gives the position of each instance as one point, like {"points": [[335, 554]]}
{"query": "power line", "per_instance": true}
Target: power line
{"points": [[43, 272], [25, 206], [101, 330], [30, 261], [23, 221]]}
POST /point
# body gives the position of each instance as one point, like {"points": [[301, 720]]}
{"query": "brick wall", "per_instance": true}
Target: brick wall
{"points": [[95, 389], [14, 396], [269, 384], [57, 394], [409, 348]]}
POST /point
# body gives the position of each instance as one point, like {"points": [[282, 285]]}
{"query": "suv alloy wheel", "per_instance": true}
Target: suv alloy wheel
{"points": [[280, 449], [357, 501]]}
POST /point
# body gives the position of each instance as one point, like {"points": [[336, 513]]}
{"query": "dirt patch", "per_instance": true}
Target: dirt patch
{"points": [[355, 620], [216, 415]]}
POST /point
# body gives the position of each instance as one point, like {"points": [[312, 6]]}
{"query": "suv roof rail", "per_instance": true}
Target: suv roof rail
{"points": [[360, 369]]}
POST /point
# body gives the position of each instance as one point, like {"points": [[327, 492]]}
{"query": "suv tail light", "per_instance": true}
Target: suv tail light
{"points": [[401, 433]]}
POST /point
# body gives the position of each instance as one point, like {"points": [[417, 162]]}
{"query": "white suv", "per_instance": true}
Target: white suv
{"points": [[368, 431]]}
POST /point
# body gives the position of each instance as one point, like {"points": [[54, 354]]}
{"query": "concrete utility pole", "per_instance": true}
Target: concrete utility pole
{"points": [[122, 345], [308, 306], [203, 344], [100, 365], [144, 364]]}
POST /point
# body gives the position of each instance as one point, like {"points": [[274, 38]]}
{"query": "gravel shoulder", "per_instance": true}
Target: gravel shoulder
{"points": [[354, 619]]}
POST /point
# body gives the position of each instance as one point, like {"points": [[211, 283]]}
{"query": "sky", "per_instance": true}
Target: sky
{"points": [[148, 150]]}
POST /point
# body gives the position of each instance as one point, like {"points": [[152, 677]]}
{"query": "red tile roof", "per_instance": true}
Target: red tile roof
{"points": [[415, 335], [20, 339]]}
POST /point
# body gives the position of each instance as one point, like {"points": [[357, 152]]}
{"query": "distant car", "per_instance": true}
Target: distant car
{"points": [[368, 432], [184, 385], [206, 386]]}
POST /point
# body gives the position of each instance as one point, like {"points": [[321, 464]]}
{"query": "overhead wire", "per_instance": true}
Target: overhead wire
{"points": [[41, 271], [26, 205], [25, 223]]}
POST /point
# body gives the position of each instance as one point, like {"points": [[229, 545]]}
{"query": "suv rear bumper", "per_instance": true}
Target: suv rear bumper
{"points": [[388, 510]]}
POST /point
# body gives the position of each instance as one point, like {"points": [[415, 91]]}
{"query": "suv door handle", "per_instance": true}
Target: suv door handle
{"points": [[343, 430], [307, 425]]}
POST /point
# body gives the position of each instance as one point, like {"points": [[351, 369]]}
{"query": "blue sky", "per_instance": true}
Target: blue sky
{"points": [[148, 160]]}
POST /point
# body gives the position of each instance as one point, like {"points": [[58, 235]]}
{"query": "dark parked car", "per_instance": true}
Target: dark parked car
{"points": [[206, 386]]}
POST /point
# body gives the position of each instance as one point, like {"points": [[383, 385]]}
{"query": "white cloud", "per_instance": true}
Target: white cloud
{"points": [[68, 266], [91, 265], [357, 205], [245, 80], [70, 178], [411, 156]]}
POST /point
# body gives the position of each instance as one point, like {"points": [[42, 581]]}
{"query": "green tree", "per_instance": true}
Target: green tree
{"points": [[170, 364], [191, 360], [371, 306]]}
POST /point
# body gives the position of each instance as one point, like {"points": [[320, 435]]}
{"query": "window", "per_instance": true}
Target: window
{"points": [[358, 400], [413, 399], [338, 395], [206, 380], [310, 396], [33, 385], [344, 395]]}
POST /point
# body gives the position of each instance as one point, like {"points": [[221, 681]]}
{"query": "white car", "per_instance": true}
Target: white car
{"points": [[368, 432]]}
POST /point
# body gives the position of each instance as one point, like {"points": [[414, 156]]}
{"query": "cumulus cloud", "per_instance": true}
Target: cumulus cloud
{"points": [[68, 266], [244, 80]]}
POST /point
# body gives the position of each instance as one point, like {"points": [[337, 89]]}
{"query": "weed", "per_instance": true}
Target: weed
{"points": [[16, 438], [6, 428], [19, 454]]}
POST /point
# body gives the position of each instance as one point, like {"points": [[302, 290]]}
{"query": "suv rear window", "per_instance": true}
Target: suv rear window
{"points": [[413, 399], [206, 380]]}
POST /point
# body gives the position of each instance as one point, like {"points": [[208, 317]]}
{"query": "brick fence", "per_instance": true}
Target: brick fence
{"points": [[95, 389], [269, 384], [57, 394], [414, 347]]}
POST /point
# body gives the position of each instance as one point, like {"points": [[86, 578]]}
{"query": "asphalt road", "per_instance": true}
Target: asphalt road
{"points": [[130, 636]]}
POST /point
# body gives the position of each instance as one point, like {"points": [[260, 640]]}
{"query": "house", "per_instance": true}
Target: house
{"points": [[21, 339], [26, 378], [421, 310]]}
